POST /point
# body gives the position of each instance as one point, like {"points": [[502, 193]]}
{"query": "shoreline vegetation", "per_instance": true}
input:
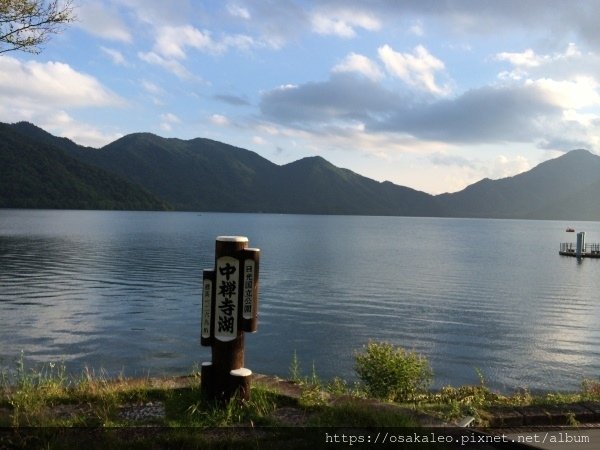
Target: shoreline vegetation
{"points": [[392, 391]]}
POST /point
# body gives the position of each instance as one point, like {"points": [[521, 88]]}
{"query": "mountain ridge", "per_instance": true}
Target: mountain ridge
{"points": [[201, 174], [36, 174], [519, 195]]}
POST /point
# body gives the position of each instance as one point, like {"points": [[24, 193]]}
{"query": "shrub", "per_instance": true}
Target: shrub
{"points": [[392, 373], [590, 389]]}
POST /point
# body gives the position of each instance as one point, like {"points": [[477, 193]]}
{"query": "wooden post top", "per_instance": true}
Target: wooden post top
{"points": [[232, 239]]}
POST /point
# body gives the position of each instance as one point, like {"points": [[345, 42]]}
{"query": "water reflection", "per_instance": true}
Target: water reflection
{"points": [[122, 291]]}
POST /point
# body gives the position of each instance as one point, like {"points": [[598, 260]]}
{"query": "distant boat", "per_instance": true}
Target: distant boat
{"points": [[570, 230]]}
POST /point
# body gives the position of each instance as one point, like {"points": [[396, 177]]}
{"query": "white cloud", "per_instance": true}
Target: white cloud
{"points": [[528, 58], [359, 64], [238, 11], [170, 65], [170, 117], [219, 119], [171, 41], [62, 124], [417, 29], [457, 171], [578, 93], [239, 42], [343, 23], [507, 166], [258, 140], [100, 20], [42, 92], [326, 25], [584, 119], [116, 56], [59, 123], [53, 83], [269, 129], [160, 12], [528, 61], [286, 87], [151, 87], [567, 81], [572, 51], [417, 69], [168, 120]]}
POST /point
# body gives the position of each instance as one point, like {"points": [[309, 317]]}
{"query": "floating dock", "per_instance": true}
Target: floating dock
{"points": [[580, 249]]}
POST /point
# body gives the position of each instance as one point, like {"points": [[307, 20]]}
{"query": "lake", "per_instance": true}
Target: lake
{"points": [[121, 292]]}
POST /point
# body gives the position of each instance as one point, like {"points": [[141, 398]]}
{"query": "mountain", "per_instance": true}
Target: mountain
{"points": [[581, 205], [206, 175], [540, 193], [36, 174], [315, 185]]}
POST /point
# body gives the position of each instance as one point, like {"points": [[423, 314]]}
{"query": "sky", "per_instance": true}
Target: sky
{"points": [[430, 94]]}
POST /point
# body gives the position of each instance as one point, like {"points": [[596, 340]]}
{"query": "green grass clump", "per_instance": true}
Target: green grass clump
{"points": [[392, 373], [31, 392], [590, 390], [185, 408]]}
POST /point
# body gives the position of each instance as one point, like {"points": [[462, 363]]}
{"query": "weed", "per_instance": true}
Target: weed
{"points": [[555, 398], [522, 397], [312, 397], [295, 369], [32, 391], [338, 386], [392, 373], [571, 420], [590, 390], [186, 409]]}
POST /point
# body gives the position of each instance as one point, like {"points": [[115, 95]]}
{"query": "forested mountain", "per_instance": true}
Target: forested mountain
{"points": [[315, 185], [532, 194], [34, 174], [206, 175]]}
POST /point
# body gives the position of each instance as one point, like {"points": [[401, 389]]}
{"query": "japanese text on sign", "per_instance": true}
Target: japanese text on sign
{"points": [[247, 306], [227, 298], [206, 305]]}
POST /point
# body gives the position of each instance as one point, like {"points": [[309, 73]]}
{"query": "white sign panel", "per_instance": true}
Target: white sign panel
{"points": [[248, 303], [206, 304], [226, 302]]}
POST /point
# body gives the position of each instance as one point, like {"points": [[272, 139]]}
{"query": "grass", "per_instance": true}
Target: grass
{"points": [[44, 404], [452, 403], [46, 396]]}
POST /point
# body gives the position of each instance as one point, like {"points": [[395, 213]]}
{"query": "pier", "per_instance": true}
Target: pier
{"points": [[580, 249]]}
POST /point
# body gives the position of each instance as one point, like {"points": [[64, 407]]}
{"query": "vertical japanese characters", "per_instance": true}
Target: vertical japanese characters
{"points": [[227, 298], [229, 308], [230, 296]]}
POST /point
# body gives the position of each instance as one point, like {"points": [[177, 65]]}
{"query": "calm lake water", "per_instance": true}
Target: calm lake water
{"points": [[121, 291]]}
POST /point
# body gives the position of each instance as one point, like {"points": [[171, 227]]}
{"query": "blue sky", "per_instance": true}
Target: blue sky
{"points": [[434, 95]]}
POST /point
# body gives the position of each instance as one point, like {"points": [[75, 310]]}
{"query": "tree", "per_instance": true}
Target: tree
{"points": [[27, 24]]}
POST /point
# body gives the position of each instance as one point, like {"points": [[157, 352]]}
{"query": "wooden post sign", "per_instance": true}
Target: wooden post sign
{"points": [[229, 308]]}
